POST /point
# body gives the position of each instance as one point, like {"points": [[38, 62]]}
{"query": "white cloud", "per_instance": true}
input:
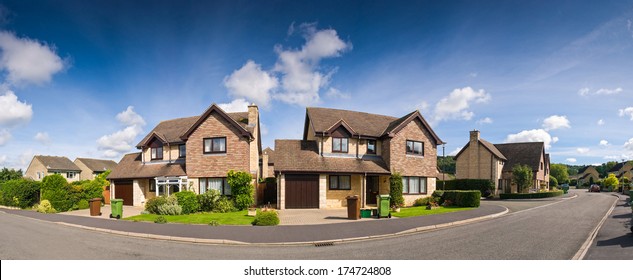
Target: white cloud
{"points": [[28, 60], [251, 83], [600, 122], [583, 91], [534, 135], [604, 143], [335, 93], [628, 111], [237, 105], [629, 145], [301, 79], [5, 136], [423, 106], [263, 129], [485, 120], [603, 91], [455, 105], [555, 122], [3, 159], [571, 160], [554, 139], [454, 152], [473, 74], [582, 150], [122, 141], [43, 138], [12, 111]]}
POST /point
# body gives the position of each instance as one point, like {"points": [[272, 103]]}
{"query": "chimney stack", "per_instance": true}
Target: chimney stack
{"points": [[474, 136]]}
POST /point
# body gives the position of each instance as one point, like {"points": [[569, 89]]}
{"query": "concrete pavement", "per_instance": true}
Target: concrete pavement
{"points": [[614, 240]]}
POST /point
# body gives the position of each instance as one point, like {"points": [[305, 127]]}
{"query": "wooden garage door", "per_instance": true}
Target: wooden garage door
{"points": [[123, 190], [302, 191]]}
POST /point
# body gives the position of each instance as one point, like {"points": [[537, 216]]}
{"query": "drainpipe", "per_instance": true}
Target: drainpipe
{"points": [[357, 144], [321, 150]]}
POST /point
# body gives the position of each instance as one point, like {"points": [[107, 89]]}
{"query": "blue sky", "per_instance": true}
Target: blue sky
{"points": [[91, 78]]}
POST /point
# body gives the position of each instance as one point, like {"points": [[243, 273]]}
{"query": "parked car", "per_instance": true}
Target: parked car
{"points": [[594, 188]]}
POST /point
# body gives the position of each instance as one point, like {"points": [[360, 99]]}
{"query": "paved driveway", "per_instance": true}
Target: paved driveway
{"points": [[128, 211], [316, 216]]}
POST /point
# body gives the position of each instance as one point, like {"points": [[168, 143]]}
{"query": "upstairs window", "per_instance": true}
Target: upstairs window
{"points": [[182, 151], [415, 148], [371, 147], [339, 145], [157, 153], [215, 145]]}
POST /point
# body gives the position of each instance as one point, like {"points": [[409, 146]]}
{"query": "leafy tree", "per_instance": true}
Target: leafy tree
{"points": [[446, 164], [395, 190], [552, 181], [611, 182], [559, 171], [10, 174], [605, 167], [241, 188], [522, 177]]}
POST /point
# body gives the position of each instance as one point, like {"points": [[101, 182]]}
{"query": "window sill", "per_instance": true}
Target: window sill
{"points": [[414, 193], [414, 156], [339, 189], [215, 154]]}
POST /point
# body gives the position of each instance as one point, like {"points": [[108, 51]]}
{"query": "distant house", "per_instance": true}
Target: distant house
{"points": [[346, 153], [622, 170], [268, 163], [587, 175], [480, 159], [91, 167], [42, 166]]}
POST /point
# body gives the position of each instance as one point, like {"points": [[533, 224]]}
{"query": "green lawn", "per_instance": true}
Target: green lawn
{"points": [[232, 218], [421, 211]]}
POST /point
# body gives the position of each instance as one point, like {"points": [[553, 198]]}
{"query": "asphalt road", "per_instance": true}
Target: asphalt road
{"points": [[553, 231]]}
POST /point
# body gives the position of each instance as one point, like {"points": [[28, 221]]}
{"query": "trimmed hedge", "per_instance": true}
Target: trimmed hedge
{"points": [[23, 193], [531, 195], [482, 185], [266, 218], [462, 198]]}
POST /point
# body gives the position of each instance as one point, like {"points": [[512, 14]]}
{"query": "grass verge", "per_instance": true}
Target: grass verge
{"points": [[231, 218], [421, 211]]}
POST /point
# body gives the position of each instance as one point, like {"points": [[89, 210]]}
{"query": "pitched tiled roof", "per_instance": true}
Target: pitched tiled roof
{"points": [[57, 163], [489, 146], [271, 155], [528, 153], [131, 167], [363, 124], [303, 156], [98, 164], [171, 130], [618, 166]]}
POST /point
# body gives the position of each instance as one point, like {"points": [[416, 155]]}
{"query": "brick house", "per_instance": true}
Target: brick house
{"points": [[91, 167], [345, 153], [480, 159], [42, 166], [193, 153]]}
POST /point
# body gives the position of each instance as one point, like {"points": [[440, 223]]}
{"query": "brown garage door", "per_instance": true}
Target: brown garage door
{"points": [[123, 190], [302, 191]]}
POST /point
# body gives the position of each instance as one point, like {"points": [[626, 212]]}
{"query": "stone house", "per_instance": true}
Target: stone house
{"points": [[42, 166], [91, 167], [193, 153], [586, 175], [622, 170], [480, 159], [345, 153]]}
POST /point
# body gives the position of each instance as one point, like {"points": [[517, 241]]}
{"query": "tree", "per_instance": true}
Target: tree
{"points": [[56, 190], [241, 188], [10, 174], [611, 182], [446, 164], [553, 182], [559, 171], [522, 177], [395, 190]]}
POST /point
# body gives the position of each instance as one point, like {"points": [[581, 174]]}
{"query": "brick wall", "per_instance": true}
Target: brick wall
{"points": [[409, 165], [216, 165]]}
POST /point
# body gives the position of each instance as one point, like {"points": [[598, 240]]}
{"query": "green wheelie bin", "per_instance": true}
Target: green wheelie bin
{"points": [[383, 206], [116, 205]]}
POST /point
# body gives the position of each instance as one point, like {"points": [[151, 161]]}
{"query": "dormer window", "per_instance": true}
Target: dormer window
{"points": [[371, 147], [157, 153], [339, 145]]}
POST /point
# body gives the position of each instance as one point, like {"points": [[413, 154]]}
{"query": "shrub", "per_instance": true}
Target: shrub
{"points": [[552, 181], [531, 195], [208, 200], [522, 177], [395, 190], [153, 203], [21, 193], [486, 187], [170, 207], [45, 207], [266, 218], [241, 188], [214, 223], [461, 198], [56, 190], [224, 205], [188, 201], [160, 220], [83, 204], [422, 201]]}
